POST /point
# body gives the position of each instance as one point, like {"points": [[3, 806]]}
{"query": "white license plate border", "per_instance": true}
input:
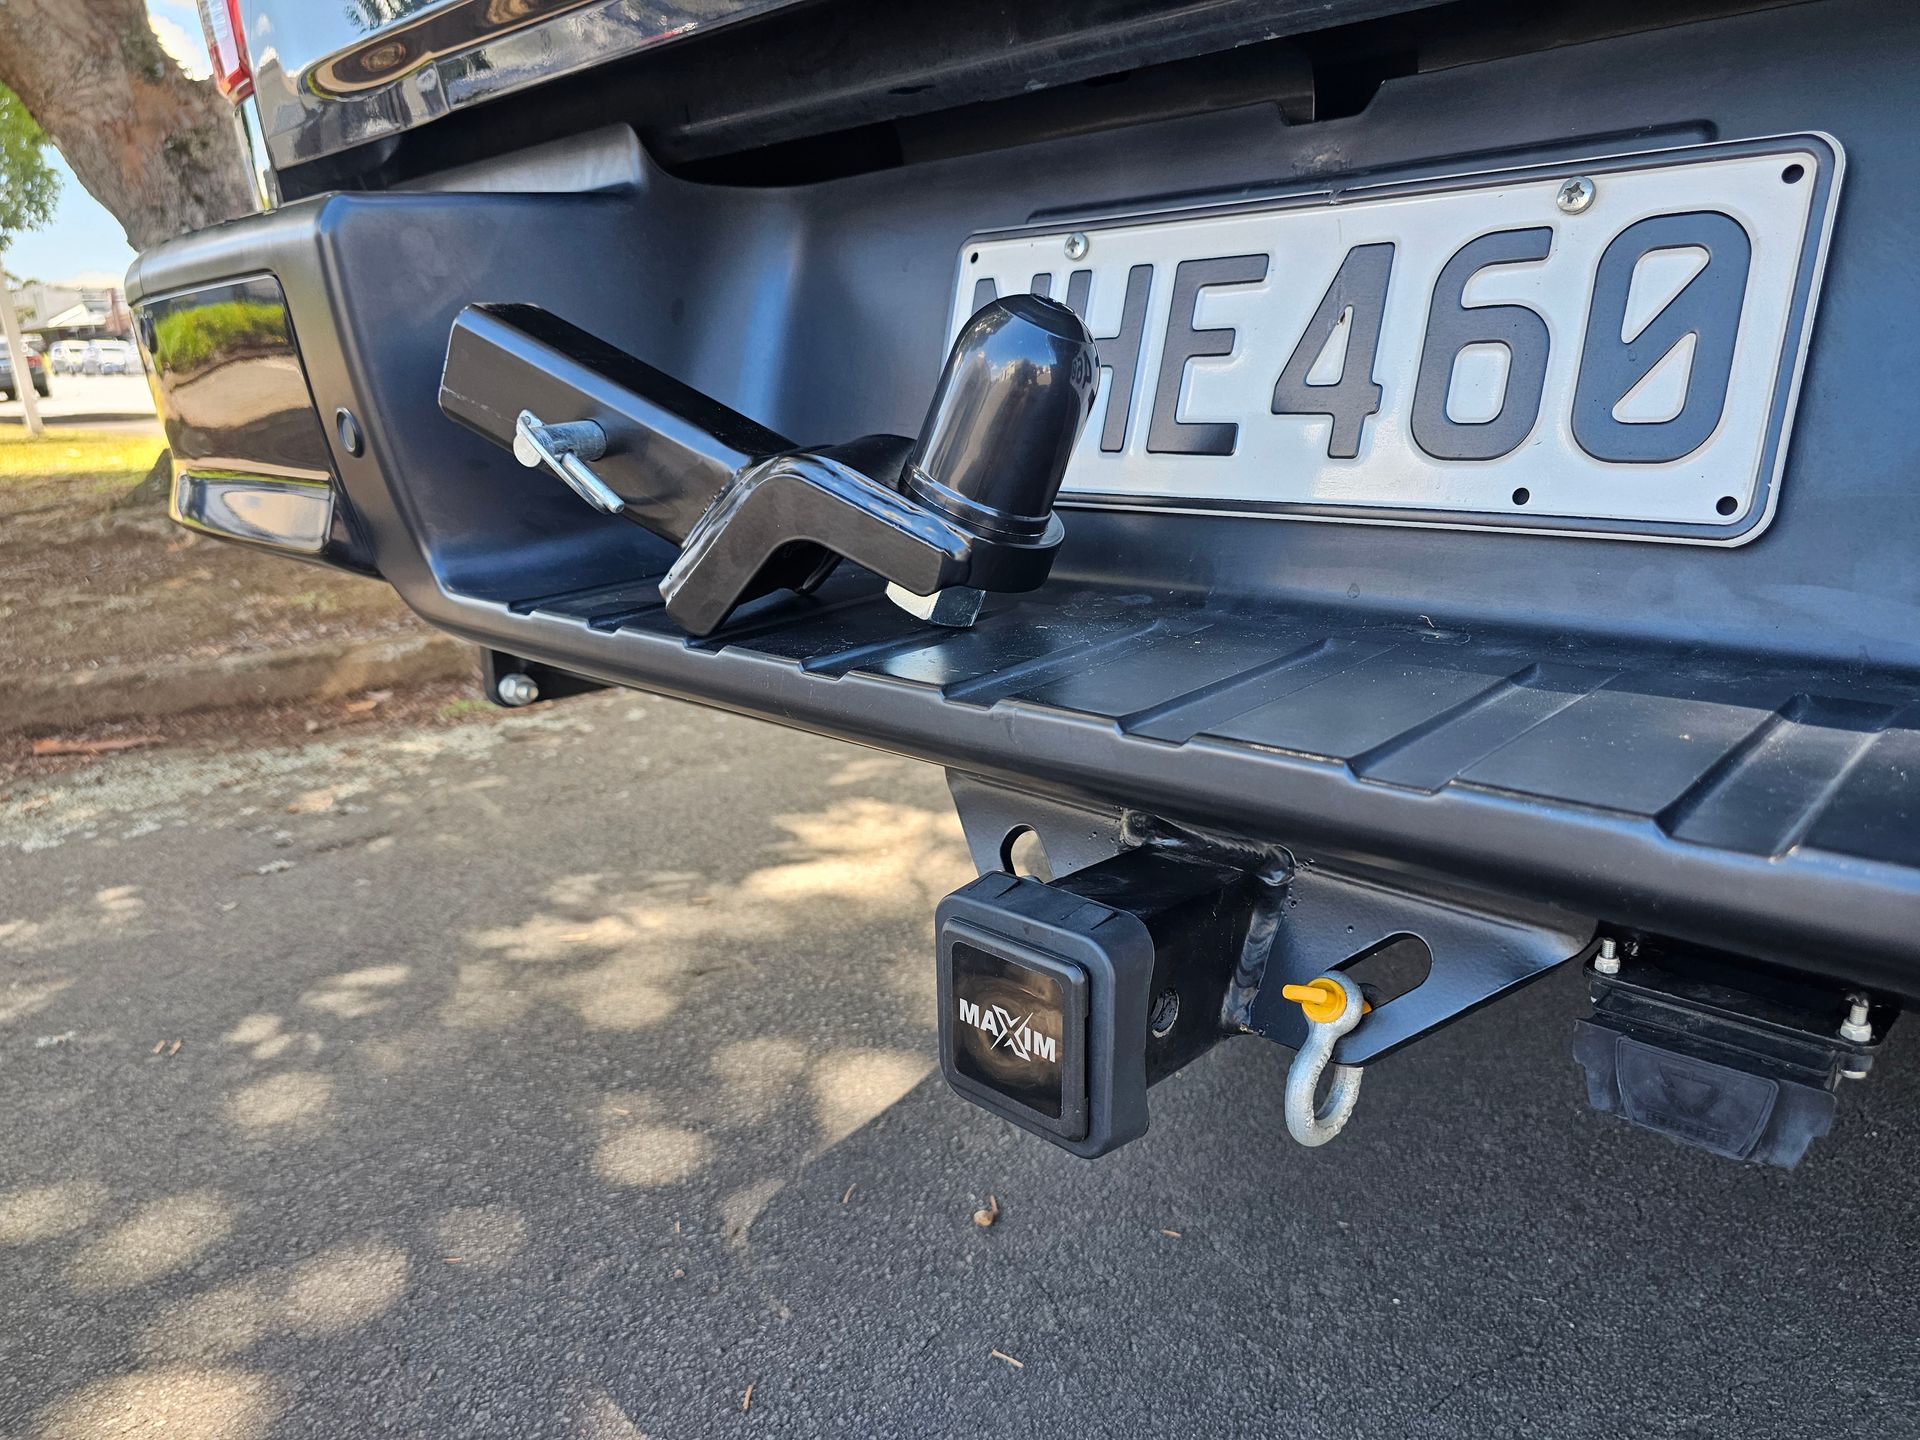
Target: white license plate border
{"points": [[1816, 241]]}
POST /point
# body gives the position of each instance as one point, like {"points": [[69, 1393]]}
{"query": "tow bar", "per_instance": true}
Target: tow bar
{"points": [[964, 509], [1062, 1002]]}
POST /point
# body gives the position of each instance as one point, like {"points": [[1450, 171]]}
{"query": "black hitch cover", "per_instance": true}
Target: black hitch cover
{"points": [[1060, 1004], [1014, 1025]]}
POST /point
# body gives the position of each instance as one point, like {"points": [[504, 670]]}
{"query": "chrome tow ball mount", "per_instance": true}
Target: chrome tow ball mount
{"points": [[963, 510]]}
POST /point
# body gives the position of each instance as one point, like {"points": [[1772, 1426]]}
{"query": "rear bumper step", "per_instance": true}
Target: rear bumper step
{"points": [[1759, 813]]}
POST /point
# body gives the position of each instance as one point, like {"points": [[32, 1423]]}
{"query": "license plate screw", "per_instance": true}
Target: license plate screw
{"points": [[1575, 195], [1077, 245]]}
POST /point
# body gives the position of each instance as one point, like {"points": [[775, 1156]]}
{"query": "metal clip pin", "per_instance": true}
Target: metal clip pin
{"points": [[565, 449]]}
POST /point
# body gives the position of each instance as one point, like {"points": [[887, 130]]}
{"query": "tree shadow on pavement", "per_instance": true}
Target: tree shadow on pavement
{"points": [[434, 1069], [573, 1075]]}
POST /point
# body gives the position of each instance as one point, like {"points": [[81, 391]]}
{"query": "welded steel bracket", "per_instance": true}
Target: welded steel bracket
{"points": [[1335, 920]]}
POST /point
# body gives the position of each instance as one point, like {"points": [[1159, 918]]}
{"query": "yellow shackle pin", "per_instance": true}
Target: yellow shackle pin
{"points": [[1322, 999]]}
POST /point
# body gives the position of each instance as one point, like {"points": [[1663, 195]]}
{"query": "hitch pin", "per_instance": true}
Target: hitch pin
{"points": [[565, 450], [1333, 1006]]}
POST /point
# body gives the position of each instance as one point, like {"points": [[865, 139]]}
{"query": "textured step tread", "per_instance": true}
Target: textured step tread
{"points": [[1714, 759]]}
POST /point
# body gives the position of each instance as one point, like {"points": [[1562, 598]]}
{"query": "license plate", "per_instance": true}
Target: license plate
{"points": [[1608, 348]]}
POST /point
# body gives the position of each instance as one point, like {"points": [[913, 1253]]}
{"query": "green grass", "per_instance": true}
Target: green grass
{"points": [[187, 339], [102, 455]]}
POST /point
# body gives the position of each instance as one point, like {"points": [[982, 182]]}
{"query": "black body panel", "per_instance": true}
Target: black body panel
{"points": [[1722, 745]]}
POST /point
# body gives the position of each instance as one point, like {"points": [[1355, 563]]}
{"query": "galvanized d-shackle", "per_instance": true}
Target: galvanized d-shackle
{"points": [[1333, 1005]]}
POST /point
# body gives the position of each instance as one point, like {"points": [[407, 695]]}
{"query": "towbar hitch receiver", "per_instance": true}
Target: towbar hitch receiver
{"points": [[1061, 1003], [964, 509]]}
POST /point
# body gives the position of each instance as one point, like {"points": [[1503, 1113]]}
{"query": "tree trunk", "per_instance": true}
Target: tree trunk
{"points": [[152, 492], [160, 151]]}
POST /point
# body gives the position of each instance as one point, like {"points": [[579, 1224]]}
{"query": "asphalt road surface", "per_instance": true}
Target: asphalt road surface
{"points": [[569, 1074]]}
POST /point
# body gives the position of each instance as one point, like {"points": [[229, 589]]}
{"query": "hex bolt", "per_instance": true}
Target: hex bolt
{"points": [[516, 690], [1077, 246], [1575, 195], [1607, 960], [1855, 1028]]}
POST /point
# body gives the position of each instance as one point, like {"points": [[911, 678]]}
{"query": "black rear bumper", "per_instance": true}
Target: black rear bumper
{"points": [[1718, 745]]}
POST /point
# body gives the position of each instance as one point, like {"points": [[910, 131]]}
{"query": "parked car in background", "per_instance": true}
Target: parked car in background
{"points": [[36, 367], [109, 357], [68, 357]]}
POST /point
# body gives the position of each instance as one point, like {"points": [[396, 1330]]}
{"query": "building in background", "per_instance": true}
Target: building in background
{"points": [[89, 307]]}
